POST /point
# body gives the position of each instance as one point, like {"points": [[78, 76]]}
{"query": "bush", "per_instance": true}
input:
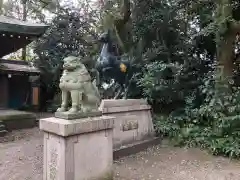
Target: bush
{"points": [[169, 85], [215, 125]]}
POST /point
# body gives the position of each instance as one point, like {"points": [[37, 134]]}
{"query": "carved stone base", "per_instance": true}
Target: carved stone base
{"points": [[78, 149], [133, 120], [71, 116]]}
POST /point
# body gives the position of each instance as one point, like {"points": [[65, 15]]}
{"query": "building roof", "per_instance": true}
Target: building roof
{"points": [[16, 34], [12, 25], [17, 66]]}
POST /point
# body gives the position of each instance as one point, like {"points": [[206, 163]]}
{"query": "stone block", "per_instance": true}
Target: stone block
{"points": [[70, 116], [13, 119], [78, 149], [133, 120]]}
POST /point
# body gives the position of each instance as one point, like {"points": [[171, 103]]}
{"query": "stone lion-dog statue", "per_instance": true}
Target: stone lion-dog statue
{"points": [[76, 82]]}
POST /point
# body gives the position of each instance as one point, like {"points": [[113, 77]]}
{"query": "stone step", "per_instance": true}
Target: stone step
{"points": [[3, 130], [3, 133], [2, 126]]}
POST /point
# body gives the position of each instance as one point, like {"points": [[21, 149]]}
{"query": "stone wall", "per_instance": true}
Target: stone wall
{"points": [[133, 120]]}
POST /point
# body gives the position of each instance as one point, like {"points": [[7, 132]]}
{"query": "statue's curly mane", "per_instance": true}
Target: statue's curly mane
{"points": [[74, 69], [73, 62]]}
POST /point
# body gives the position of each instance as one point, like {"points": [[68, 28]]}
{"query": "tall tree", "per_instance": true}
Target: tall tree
{"points": [[220, 20]]}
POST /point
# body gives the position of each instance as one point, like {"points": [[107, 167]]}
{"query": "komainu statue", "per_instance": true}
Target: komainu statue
{"points": [[76, 83]]}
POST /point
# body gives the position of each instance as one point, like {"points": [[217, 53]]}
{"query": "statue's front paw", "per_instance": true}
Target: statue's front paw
{"points": [[61, 109], [86, 109], [73, 110]]}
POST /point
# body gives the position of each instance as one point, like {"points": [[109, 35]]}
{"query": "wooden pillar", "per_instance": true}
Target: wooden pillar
{"points": [[35, 92]]}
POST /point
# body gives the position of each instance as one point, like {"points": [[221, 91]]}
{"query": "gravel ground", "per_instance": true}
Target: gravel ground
{"points": [[21, 159]]}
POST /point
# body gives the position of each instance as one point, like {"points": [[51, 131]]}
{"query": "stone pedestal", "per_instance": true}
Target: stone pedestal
{"points": [[133, 121], [78, 149]]}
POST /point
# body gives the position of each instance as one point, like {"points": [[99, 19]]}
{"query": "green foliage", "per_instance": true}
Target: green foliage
{"points": [[169, 84], [214, 125], [161, 52], [160, 82], [157, 25], [69, 34], [178, 68]]}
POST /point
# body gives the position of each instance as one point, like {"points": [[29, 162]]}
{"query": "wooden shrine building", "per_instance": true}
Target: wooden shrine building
{"points": [[18, 78]]}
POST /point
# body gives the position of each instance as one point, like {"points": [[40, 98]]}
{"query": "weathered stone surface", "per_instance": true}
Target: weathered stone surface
{"points": [[66, 128], [78, 149], [70, 116], [76, 81], [108, 103], [133, 120], [13, 119], [8, 114]]}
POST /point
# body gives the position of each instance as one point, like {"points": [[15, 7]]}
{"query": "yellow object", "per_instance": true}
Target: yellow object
{"points": [[123, 67], [35, 95]]}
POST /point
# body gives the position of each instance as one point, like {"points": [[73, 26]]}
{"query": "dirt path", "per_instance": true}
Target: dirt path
{"points": [[21, 159]]}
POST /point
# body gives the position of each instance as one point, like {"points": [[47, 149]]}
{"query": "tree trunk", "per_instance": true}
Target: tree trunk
{"points": [[226, 56], [122, 31], [226, 36], [24, 50]]}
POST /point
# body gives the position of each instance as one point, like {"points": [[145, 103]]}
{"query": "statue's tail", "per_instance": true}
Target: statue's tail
{"points": [[94, 83]]}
